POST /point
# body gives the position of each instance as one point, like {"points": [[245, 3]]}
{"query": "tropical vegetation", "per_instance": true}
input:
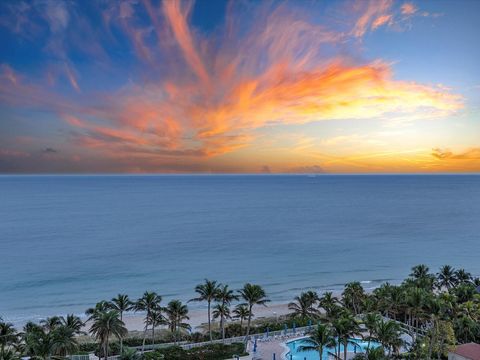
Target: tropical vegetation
{"points": [[423, 317]]}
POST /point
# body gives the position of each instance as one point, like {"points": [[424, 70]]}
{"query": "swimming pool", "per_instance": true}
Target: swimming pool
{"points": [[294, 354]]}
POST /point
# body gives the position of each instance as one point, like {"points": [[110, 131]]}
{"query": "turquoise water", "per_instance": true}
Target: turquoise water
{"points": [[67, 242], [294, 354]]}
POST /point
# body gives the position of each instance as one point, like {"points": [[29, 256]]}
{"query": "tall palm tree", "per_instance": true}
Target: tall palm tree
{"points": [[462, 276], [51, 323], [121, 303], [446, 277], [252, 295], [435, 309], [318, 340], [154, 320], [328, 303], [150, 304], [371, 321], [107, 324], [221, 311], [303, 306], [389, 335], [176, 316], [208, 291], [346, 327], [100, 307], [73, 322], [416, 298], [353, 296], [8, 336], [225, 296], [419, 271], [241, 312]]}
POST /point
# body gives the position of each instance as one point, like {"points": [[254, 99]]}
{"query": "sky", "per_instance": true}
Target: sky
{"points": [[211, 86]]}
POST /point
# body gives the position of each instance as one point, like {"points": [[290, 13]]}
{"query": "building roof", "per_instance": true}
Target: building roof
{"points": [[470, 351]]}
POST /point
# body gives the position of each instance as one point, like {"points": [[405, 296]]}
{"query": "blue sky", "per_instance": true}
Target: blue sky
{"points": [[218, 86]]}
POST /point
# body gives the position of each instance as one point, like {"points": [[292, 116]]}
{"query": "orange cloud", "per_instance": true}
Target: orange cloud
{"points": [[381, 20], [408, 9], [470, 154], [210, 98], [373, 13]]}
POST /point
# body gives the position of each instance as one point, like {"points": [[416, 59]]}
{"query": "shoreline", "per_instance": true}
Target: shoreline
{"points": [[198, 317]]}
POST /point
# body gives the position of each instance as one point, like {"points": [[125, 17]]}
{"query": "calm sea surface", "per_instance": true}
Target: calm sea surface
{"points": [[68, 241]]}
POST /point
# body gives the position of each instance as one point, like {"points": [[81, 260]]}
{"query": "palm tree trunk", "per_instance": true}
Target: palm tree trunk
{"points": [[121, 337], [249, 321], [321, 352], [209, 322], [144, 338], [345, 350], [153, 335], [106, 348], [222, 320]]}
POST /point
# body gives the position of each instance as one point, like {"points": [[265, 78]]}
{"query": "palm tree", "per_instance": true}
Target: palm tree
{"points": [[466, 329], [225, 296], [51, 323], [107, 324], [353, 296], [155, 319], [241, 312], [435, 309], [150, 304], [9, 354], [121, 303], [38, 342], [221, 311], [416, 298], [253, 295], [320, 338], [177, 314], [371, 321], [389, 335], [446, 277], [419, 271], [328, 303], [463, 276], [303, 306], [73, 322], [8, 335], [346, 327], [44, 342], [64, 341], [101, 306], [208, 291]]}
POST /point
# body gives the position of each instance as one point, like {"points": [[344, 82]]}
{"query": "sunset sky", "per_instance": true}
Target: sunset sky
{"points": [[239, 87]]}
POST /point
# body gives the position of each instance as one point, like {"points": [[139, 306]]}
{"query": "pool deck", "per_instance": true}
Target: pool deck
{"points": [[265, 350]]}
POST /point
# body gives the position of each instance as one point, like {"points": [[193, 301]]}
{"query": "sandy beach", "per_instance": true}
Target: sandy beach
{"points": [[198, 317]]}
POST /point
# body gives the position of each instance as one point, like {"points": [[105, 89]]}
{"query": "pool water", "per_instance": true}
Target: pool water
{"points": [[294, 354]]}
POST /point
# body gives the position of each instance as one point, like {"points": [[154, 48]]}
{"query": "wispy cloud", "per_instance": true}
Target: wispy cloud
{"points": [[445, 154], [197, 96]]}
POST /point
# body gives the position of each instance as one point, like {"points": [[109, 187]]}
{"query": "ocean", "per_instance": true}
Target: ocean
{"points": [[67, 242]]}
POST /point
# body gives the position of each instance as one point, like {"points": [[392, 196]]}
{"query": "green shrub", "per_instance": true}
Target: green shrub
{"points": [[208, 352]]}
